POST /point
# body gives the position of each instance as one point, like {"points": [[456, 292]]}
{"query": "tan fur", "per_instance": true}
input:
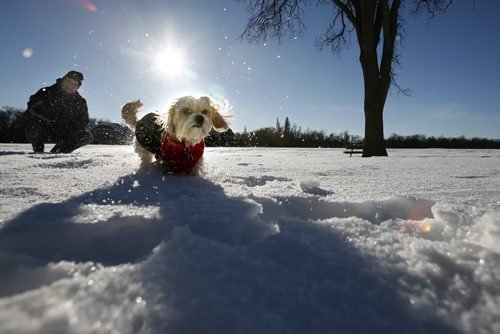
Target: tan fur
{"points": [[181, 122], [129, 113]]}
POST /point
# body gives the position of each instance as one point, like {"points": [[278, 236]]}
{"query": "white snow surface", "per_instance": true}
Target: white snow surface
{"points": [[267, 241]]}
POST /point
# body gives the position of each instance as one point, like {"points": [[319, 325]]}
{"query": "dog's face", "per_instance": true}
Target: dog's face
{"points": [[190, 119]]}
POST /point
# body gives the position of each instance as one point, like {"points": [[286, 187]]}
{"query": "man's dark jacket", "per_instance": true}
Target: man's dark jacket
{"points": [[69, 113]]}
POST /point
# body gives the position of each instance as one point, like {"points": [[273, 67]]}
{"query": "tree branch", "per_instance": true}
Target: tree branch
{"points": [[431, 7], [338, 34], [274, 19], [348, 11], [336, 38], [378, 22]]}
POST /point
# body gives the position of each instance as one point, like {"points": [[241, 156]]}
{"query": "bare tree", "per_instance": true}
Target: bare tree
{"points": [[377, 25]]}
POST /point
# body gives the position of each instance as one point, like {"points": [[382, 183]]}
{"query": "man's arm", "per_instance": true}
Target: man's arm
{"points": [[36, 104], [81, 119], [32, 111]]}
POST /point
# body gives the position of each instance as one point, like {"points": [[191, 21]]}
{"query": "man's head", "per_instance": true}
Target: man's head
{"points": [[71, 82]]}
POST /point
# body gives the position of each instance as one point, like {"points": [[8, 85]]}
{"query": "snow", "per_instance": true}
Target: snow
{"points": [[268, 241]]}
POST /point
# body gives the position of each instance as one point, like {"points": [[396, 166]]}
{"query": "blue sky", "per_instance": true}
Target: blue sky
{"points": [[450, 64]]}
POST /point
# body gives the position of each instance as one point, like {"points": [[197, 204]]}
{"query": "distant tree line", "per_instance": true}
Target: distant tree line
{"points": [[13, 122], [290, 135], [421, 141]]}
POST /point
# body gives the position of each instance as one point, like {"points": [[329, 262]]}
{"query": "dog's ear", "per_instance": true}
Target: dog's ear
{"points": [[170, 125], [166, 120], [219, 122]]}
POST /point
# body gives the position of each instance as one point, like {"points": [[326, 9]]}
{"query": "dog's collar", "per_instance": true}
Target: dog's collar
{"points": [[179, 157]]}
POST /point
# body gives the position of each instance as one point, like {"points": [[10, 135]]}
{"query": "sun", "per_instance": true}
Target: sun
{"points": [[170, 62]]}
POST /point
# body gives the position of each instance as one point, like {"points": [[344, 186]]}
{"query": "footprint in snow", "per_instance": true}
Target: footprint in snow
{"points": [[313, 188]]}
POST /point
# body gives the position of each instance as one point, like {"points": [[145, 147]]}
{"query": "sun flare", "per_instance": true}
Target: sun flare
{"points": [[170, 62]]}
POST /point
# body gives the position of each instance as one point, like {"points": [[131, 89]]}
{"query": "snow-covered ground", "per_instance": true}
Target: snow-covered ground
{"points": [[269, 241]]}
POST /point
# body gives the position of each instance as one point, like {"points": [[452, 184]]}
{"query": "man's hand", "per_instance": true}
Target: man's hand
{"points": [[37, 115]]}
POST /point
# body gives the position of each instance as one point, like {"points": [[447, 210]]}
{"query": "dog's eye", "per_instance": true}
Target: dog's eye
{"points": [[204, 111], [186, 111]]}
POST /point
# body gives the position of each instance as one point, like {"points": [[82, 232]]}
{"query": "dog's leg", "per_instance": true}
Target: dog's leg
{"points": [[145, 157], [198, 169]]}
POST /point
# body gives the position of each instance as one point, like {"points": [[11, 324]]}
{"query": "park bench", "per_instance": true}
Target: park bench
{"points": [[351, 149]]}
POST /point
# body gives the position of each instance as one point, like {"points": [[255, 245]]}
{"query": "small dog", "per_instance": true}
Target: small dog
{"points": [[175, 138]]}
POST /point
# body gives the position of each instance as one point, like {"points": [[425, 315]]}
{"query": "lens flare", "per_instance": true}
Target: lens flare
{"points": [[88, 5], [27, 53], [426, 227], [421, 210]]}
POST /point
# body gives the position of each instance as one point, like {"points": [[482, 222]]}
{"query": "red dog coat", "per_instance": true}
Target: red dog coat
{"points": [[180, 158]]}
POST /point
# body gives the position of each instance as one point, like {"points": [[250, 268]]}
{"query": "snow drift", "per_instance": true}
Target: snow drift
{"points": [[270, 240]]}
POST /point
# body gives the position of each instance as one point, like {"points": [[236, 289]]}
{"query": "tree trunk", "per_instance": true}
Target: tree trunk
{"points": [[375, 95], [376, 90], [374, 144], [376, 82], [373, 19]]}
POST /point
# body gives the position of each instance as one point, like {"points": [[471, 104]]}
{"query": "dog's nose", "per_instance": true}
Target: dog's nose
{"points": [[199, 120]]}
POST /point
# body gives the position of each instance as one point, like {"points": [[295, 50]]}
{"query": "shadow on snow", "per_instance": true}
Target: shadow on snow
{"points": [[305, 278]]}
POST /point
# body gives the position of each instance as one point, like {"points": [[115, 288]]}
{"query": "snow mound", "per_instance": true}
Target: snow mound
{"points": [[88, 244]]}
